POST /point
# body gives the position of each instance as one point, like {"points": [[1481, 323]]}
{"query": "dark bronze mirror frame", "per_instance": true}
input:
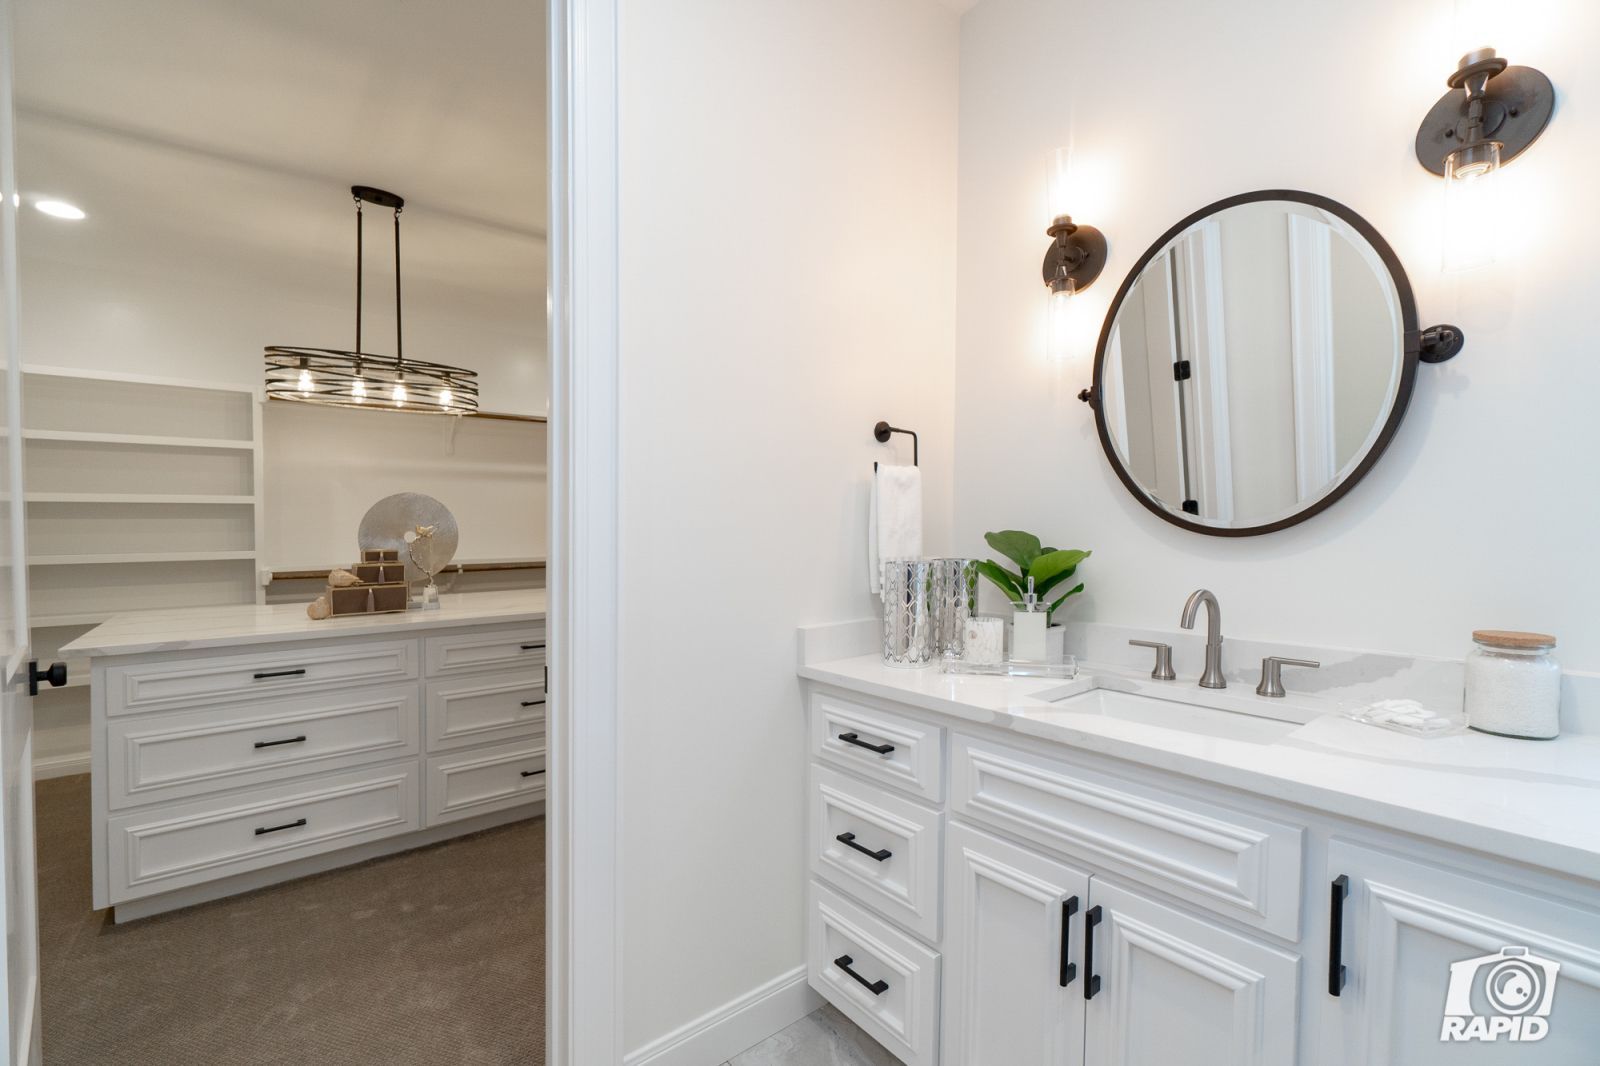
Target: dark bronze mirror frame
{"points": [[1433, 345]]}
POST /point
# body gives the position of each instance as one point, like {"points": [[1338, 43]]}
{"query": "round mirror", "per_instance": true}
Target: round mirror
{"points": [[1255, 363]]}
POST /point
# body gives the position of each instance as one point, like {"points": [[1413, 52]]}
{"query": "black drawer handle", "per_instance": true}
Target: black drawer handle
{"points": [[1341, 889], [533, 703], [1091, 980], [877, 988], [855, 738], [276, 743], [532, 647], [297, 672], [296, 824], [849, 841], [532, 773], [1069, 969]]}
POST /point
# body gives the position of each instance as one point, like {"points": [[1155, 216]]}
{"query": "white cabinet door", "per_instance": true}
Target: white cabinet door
{"points": [[1508, 975], [1172, 987], [1013, 991]]}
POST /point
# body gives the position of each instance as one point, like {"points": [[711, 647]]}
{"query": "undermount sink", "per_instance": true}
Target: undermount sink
{"points": [[1176, 715]]}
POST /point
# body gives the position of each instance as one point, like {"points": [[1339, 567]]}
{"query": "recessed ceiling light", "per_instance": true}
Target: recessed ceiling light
{"points": [[60, 209]]}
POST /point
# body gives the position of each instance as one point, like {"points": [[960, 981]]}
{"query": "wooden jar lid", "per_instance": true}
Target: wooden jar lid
{"points": [[1511, 638]]}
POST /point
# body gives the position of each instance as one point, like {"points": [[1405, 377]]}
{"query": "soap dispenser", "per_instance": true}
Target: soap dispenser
{"points": [[1028, 626]]}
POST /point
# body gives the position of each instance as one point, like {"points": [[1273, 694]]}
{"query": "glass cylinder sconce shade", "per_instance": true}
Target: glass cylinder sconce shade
{"points": [[1471, 214]]}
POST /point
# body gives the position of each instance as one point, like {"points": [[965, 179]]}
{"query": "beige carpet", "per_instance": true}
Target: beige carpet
{"points": [[435, 956]]}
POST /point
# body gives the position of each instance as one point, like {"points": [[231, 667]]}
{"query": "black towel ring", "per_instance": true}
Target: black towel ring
{"points": [[881, 431]]}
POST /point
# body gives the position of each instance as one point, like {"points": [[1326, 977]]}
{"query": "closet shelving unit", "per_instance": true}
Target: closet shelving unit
{"points": [[142, 492]]}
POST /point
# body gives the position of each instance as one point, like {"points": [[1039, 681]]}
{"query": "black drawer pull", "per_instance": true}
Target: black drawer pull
{"points": [[532, 773], [855, 738], [849, 841], [877, 988], [276, 743], [1091, 980], [533, 703], [1069, 969], [1341, 889], [296, 824], [297, 672], [532, 647]]}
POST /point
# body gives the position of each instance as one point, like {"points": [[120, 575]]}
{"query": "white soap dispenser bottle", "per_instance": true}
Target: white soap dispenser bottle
{"points": [[1028, 628]]}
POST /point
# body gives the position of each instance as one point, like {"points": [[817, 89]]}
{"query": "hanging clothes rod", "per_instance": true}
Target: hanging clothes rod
{"points": [[881, 431]]}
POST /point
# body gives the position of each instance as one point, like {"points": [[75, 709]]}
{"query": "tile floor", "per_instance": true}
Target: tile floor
{"points": [[823, 1038]]}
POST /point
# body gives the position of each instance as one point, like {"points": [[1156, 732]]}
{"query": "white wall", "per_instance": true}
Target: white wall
{"points": [[1483, 512], [787, 206]]}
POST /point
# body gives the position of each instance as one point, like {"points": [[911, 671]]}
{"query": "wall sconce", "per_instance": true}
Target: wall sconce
{"points": [[1076, 256], [1492, 114]]}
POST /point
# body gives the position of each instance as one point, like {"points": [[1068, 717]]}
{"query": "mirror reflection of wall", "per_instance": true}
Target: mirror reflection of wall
{"points": [[1253, 363]]}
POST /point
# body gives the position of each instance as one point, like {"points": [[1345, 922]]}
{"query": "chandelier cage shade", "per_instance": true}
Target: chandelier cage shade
{"points": [[334, 377]]}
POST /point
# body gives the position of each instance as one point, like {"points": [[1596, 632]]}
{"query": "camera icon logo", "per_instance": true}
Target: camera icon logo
{"points": [[1508, 994]]}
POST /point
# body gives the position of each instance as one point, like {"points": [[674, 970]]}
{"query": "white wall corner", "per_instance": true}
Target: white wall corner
{"points": [[838, 640], [738, 1024]]}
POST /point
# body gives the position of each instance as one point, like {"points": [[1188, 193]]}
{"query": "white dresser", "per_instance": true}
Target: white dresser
{"points": [[235, 747]]}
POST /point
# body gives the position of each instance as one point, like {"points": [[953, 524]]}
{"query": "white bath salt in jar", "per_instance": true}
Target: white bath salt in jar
{"points": [[1513, 685]]}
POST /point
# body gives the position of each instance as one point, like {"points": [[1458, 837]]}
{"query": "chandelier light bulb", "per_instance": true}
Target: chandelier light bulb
{"points": [[399, 394]]}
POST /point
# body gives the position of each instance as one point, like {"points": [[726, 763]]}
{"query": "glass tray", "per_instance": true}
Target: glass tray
{"points": [[1065, 668], [1431, 723]]}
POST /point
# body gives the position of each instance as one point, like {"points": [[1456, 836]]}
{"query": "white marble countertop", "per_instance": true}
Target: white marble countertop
{"points": [[1533, 802], [184, 629]]}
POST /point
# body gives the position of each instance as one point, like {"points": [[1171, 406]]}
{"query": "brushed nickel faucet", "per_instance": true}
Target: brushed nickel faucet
{"points": [[1212, 678]]}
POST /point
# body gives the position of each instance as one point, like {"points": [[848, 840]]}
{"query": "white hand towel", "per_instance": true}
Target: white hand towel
{"points": [[894, 520]]}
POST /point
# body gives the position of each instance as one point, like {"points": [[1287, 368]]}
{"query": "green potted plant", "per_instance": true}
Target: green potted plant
{"points": [[1040, 572]]}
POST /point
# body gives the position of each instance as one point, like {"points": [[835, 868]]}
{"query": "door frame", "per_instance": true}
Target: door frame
{"points": [[582, 921]]}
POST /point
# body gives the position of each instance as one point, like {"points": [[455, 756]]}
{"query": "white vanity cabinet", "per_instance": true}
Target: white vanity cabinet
{"points": [[221, 765]]}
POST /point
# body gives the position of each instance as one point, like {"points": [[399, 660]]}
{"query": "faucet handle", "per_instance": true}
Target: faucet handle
{"points": [[1272, 666], [1163, 670]]}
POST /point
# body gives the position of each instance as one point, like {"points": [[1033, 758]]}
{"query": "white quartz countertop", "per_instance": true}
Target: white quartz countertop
{"points": [[1535, 802], [184, 629]]}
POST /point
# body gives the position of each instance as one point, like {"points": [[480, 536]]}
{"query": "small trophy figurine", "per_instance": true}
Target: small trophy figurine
{"points": [[422, 537]]}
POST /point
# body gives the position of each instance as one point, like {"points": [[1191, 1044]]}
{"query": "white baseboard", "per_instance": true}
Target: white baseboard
{"points": [[719, 1035], [60, 765]]}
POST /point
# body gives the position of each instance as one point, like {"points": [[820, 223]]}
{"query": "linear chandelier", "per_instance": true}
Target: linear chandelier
{"points": [[338, 378]]}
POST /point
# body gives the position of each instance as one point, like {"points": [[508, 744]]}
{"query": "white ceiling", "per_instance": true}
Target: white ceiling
{"points": [[194, 130]]}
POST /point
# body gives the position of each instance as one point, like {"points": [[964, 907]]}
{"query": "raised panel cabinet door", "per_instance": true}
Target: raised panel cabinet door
{"points": [[1454, 966], [1013, 991], [1171, 987]]}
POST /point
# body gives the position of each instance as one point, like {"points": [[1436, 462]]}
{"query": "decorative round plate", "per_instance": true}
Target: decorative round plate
{"points": [[386, 524]]}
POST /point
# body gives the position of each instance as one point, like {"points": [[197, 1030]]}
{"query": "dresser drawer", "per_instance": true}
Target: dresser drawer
{"points": [[887, 747], [480, 708], [195, 680], [485, 780], [1233, 863], [878, 977], [158, 757], [503, 648], [877, 847], [164, 848]]}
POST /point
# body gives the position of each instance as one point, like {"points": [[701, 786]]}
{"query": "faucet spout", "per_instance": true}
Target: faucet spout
{"points": [[1212, 677]]}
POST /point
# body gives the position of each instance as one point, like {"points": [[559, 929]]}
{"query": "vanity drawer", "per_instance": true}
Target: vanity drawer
{"points": [[199, 680], [1241, 865], [158, 757], [159, 849], [887, 747], [485, 780], [891, 986], [889, 858], [497, 649], [479, 708]]}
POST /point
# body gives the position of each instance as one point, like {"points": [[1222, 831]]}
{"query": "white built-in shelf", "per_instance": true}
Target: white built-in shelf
{"points": [[71, 618], [137, 497], [137, 440], [137, 557]]}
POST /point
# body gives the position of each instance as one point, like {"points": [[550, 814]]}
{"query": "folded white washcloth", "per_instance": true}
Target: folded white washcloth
{"points": [[894, 519]]}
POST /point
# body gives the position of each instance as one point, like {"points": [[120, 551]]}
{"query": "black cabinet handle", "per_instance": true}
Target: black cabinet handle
{"points": [[276, 743], [533, 703], [532, 647], [297, 672], [532, 773], [855, 738], [1069, 969], [296, 824], [849, 841], [55, 675], [1341, 889], [877, 988], [1091, 980]]}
